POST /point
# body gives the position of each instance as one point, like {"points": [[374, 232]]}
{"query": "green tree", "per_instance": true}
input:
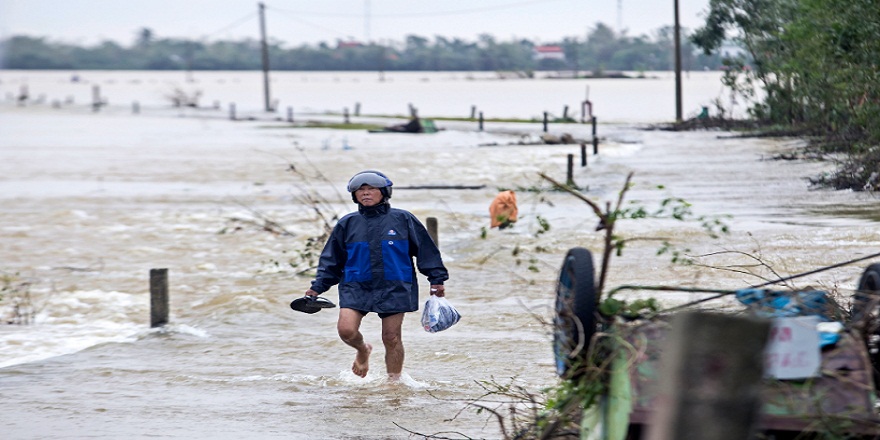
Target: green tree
{"points": [[817, 62]]}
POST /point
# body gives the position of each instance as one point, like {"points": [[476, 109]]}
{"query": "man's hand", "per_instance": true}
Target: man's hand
{"points": [[311, 292], [438, 289]]}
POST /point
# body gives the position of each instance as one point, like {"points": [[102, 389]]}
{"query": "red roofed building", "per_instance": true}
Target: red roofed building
{"points": [[548, 53], [348, 44]]}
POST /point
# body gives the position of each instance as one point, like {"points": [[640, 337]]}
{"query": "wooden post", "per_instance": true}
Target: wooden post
{"points": [[232, 111], [22, 95], [481, 121], [710, 378], [345, 117], [569, 180], [473, 112], [357, 109], [96, 98], [565, 113], [545, 122], [289, 114], [158, 297], [583, 154], [595, 137], [431, 224]]}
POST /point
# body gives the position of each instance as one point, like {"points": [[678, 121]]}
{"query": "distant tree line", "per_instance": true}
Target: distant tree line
{"points": [[600, 51], [818, 64]]}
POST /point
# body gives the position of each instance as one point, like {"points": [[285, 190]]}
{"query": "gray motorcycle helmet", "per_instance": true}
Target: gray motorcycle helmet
{"points": [[373, 178]]}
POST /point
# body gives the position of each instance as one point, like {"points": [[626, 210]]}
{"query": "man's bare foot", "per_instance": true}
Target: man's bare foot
{"points": [[393, 377], [362, 361]]}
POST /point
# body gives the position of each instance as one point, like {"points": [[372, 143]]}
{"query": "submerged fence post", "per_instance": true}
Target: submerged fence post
{"points": [[545, 122], [289, 114], [473, 112], [481, 121], [345, 116], [96, 98], [232, 111], [595, 138], [357, 109], [583, 154], [135, 107], [569, 180], [431, 224], [158, 297]]}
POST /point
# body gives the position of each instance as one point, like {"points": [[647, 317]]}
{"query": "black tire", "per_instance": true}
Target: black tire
{"points": [[865, 314], [575, 321], [866, 296]]}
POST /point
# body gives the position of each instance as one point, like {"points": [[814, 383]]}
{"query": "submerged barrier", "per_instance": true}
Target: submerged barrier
{"points": [[158, 297]]}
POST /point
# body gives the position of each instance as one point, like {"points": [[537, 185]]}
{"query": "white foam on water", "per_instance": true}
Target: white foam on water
{"points": [[22, 344], [72, 321]]}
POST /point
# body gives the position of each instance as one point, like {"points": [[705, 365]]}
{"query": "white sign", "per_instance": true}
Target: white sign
{"points": [[792, 350]]}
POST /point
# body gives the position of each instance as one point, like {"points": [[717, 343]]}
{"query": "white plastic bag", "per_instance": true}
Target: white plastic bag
{"points": [[439, 314]]}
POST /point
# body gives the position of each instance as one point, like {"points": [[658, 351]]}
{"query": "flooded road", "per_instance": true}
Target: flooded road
{"points": [[92, 202]]}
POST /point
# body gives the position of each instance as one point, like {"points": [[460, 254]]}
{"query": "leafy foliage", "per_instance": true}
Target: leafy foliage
{"points": [[818, 62], [602, 49]]}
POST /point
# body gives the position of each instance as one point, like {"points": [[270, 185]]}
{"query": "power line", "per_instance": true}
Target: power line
{"points": [[287, 14], [423, 13], [234, 24]]}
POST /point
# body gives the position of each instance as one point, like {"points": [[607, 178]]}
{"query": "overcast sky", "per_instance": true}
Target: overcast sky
{"points": [[296, 22]]}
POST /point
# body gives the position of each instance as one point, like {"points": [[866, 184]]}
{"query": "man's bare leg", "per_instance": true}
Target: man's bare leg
{"points": [[348, 327], [391, 337]]}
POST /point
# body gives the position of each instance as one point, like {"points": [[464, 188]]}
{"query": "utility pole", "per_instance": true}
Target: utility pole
{"points": [[366, 21], [677, 66], [619, 18], [265, 47]]}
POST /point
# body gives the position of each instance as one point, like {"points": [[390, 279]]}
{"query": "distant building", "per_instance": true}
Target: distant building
{"points": [[548, 53], [348, 44]]}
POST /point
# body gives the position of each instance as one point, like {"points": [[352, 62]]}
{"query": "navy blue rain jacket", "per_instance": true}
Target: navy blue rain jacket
{"points": [[370, 255]]}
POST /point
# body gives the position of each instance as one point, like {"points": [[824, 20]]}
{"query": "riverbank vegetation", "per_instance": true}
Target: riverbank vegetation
{"points": [[599, 53], [816, 66]]}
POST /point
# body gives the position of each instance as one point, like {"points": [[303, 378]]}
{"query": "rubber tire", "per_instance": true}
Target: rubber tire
{"points": [[865, 307], [575, 310], [869, 283]]}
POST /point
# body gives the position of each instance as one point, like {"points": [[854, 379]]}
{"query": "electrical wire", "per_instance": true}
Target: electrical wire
{"points": [[424, 13], [232, 25], [288, 15]]}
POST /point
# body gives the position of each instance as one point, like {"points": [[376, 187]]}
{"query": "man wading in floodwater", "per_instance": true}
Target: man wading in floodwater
{"points": [[370, 255]]}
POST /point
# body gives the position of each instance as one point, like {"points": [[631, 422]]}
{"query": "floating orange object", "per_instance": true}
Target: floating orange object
{"points": [[503, 209]]}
